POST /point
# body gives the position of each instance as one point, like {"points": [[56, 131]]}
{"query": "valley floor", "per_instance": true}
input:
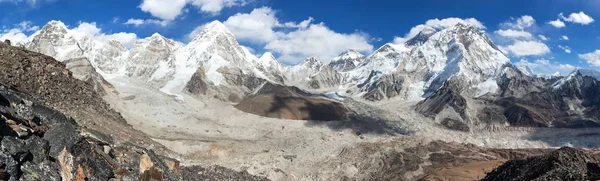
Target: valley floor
{"points": [[208, 131]]}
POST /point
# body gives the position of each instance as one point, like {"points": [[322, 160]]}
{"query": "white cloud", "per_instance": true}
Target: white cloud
{"points": [[163, 9], [17, 34], [580, 18], [293, 41], [171, 9], [514, 34], [557, 23], [525, 22], [592, 58], [545, 67], [215, 6], [527, 48], [28, 26], [542, 37], [520, 23], [140, 22], [438, 24], [256, 26], [564, 37], [90, 29], [567, 49], [317, 41]]}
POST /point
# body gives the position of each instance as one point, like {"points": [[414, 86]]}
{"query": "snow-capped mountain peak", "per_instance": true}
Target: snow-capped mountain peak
{"points": [[311, 62], [55, 26], [348, 54], [268, 59]]}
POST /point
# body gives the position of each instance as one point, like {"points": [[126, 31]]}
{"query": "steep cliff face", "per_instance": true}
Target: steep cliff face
{"points": [[524, 101]]}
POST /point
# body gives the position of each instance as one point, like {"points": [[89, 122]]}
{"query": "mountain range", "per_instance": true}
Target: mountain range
{"points": [[457, 74]]}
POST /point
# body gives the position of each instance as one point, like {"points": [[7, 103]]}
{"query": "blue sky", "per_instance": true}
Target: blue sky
{"points": [[331, 26]]}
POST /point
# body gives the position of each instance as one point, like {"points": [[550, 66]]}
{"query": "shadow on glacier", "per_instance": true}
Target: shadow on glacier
{"points": [[362, 124], [583, 137]]}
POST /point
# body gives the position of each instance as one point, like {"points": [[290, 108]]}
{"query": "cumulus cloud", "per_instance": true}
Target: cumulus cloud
{"points": [[163, 9], [542, 37], [317, 41], [564, 37], [579, 18], [293, 41], [171, 9], [438, 24], [527, 48], [215, 6], [15, 35], [90, 29], [514, 33], [557, 23], [140, 22], [18, 33], [545, 67], [520, 23], [593, 58], [567, 49], [256, 26]]}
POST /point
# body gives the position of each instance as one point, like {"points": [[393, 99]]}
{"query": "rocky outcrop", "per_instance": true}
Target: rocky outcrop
{"points": [[39, 143], [446, 97], [563, 164], [385, 87], [237, 87], [82, 69], [42, 79]]}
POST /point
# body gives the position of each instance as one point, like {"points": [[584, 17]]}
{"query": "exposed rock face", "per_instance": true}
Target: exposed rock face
{"points": [[238, 87], [387, 86], [446, 98], [82, 69], [283, 102], [48, 82], [44, 144], [563, 164], [520, 100]]}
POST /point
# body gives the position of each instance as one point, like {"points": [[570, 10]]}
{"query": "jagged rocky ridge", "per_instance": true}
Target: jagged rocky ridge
{"points": [[521, 101], [46, 135], [563, 164]]}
